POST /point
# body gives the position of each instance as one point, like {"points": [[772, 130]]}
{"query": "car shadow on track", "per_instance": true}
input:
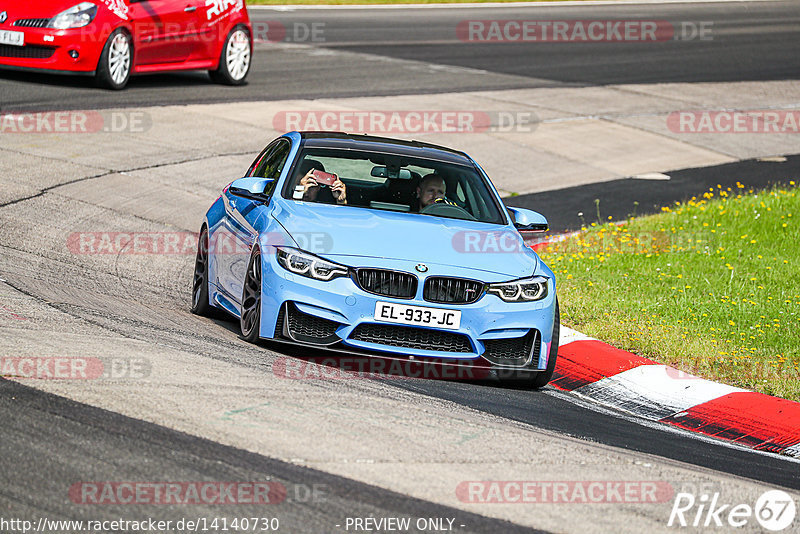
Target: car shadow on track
{"points": [[299, 362]]}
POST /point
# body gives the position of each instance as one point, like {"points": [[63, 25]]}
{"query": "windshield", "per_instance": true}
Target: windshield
{"points": [[393, 183]]}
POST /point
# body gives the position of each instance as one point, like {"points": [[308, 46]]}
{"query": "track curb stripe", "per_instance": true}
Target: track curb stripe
{"points": [[752, 419], [625, 381], [653, 391], [581, 363]]}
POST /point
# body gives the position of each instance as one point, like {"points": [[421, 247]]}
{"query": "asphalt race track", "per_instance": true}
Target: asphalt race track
{"points": [[758, 41], [210, 407], [111, 446], [628, 197]]}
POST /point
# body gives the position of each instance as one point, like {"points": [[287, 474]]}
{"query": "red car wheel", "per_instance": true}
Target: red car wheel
{"points": [[116, 61], [234, 61]]}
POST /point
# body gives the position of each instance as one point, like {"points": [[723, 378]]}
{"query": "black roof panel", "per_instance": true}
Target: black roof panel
{"points": [[372, 143]]}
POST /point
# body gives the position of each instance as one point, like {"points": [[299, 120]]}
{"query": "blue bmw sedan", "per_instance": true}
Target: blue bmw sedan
{"points": [[380, 246]]}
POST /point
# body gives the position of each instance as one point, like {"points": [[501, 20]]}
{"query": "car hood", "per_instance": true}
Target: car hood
{"points": [[349, 231]]}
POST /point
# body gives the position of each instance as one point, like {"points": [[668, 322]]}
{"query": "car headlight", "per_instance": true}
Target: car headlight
{"points": [[299, 262], [74, 17], [523, 290]]}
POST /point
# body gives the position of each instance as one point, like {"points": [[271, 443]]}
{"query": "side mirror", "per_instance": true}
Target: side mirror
{"points": [[529, 220], [250, 188]]}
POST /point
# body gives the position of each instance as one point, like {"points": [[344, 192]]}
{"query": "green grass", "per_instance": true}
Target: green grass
{"points": [[373, 2], [710, 286]]}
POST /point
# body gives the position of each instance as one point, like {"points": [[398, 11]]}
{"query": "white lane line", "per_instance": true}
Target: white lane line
{"points": [[655, 391], [651, 176], [793, 451], [409, 64]]}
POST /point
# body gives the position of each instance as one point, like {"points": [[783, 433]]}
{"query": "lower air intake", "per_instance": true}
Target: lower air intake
{"points": [[307, 328], [410, 337], [514, 352], [27, 51]]}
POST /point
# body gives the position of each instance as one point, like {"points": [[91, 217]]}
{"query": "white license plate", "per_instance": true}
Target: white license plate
{"points": [[7, 37], [388, 312]]}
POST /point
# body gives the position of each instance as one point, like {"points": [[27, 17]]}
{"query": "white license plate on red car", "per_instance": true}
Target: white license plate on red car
{"points": [[8, 37], [389, 312]]}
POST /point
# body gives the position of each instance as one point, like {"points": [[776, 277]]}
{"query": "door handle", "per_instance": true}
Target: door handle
{"points": [[190, 9]]}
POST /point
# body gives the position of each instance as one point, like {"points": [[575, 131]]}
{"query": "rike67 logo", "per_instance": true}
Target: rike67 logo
{"points": [[774, 510]]}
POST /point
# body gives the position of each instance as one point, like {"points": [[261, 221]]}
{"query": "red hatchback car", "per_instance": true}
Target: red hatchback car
{"points": [[113, 39]]}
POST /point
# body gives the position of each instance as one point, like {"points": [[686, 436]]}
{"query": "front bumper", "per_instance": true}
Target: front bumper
{"points": [[488, 327], [48, 49]]}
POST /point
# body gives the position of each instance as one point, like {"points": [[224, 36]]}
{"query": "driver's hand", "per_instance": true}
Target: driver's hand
{"points": [[443, 200], [310, 186], [339, 191]]}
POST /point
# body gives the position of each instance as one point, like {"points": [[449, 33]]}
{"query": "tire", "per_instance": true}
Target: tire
{"points": [[116, 61], [235, 58], [250, 321], [528, 380], [200, 304], [540, 380]]}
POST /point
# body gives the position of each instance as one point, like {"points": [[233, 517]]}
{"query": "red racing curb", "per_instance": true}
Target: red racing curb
{"points": [[632, 383], [583, 362], [609, 375], [752, 419]]}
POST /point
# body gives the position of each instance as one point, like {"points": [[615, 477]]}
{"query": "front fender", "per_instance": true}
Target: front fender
{"points": [[213, 222]]}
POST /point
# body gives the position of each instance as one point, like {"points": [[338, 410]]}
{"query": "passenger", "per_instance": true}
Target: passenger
{"points": [[309, 190]]}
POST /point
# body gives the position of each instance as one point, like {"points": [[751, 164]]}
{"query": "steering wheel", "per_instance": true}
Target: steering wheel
{"points": [[445, 208]]}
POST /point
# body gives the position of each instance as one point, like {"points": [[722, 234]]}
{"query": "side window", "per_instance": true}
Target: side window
{"points": [[264, 153], [460, 193], [271, 164]]}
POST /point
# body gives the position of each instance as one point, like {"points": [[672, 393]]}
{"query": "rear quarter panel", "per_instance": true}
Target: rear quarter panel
{"points": [[222, 16]]}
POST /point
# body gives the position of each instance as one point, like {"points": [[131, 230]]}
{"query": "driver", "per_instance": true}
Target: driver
{"points": [[430, 188]]}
